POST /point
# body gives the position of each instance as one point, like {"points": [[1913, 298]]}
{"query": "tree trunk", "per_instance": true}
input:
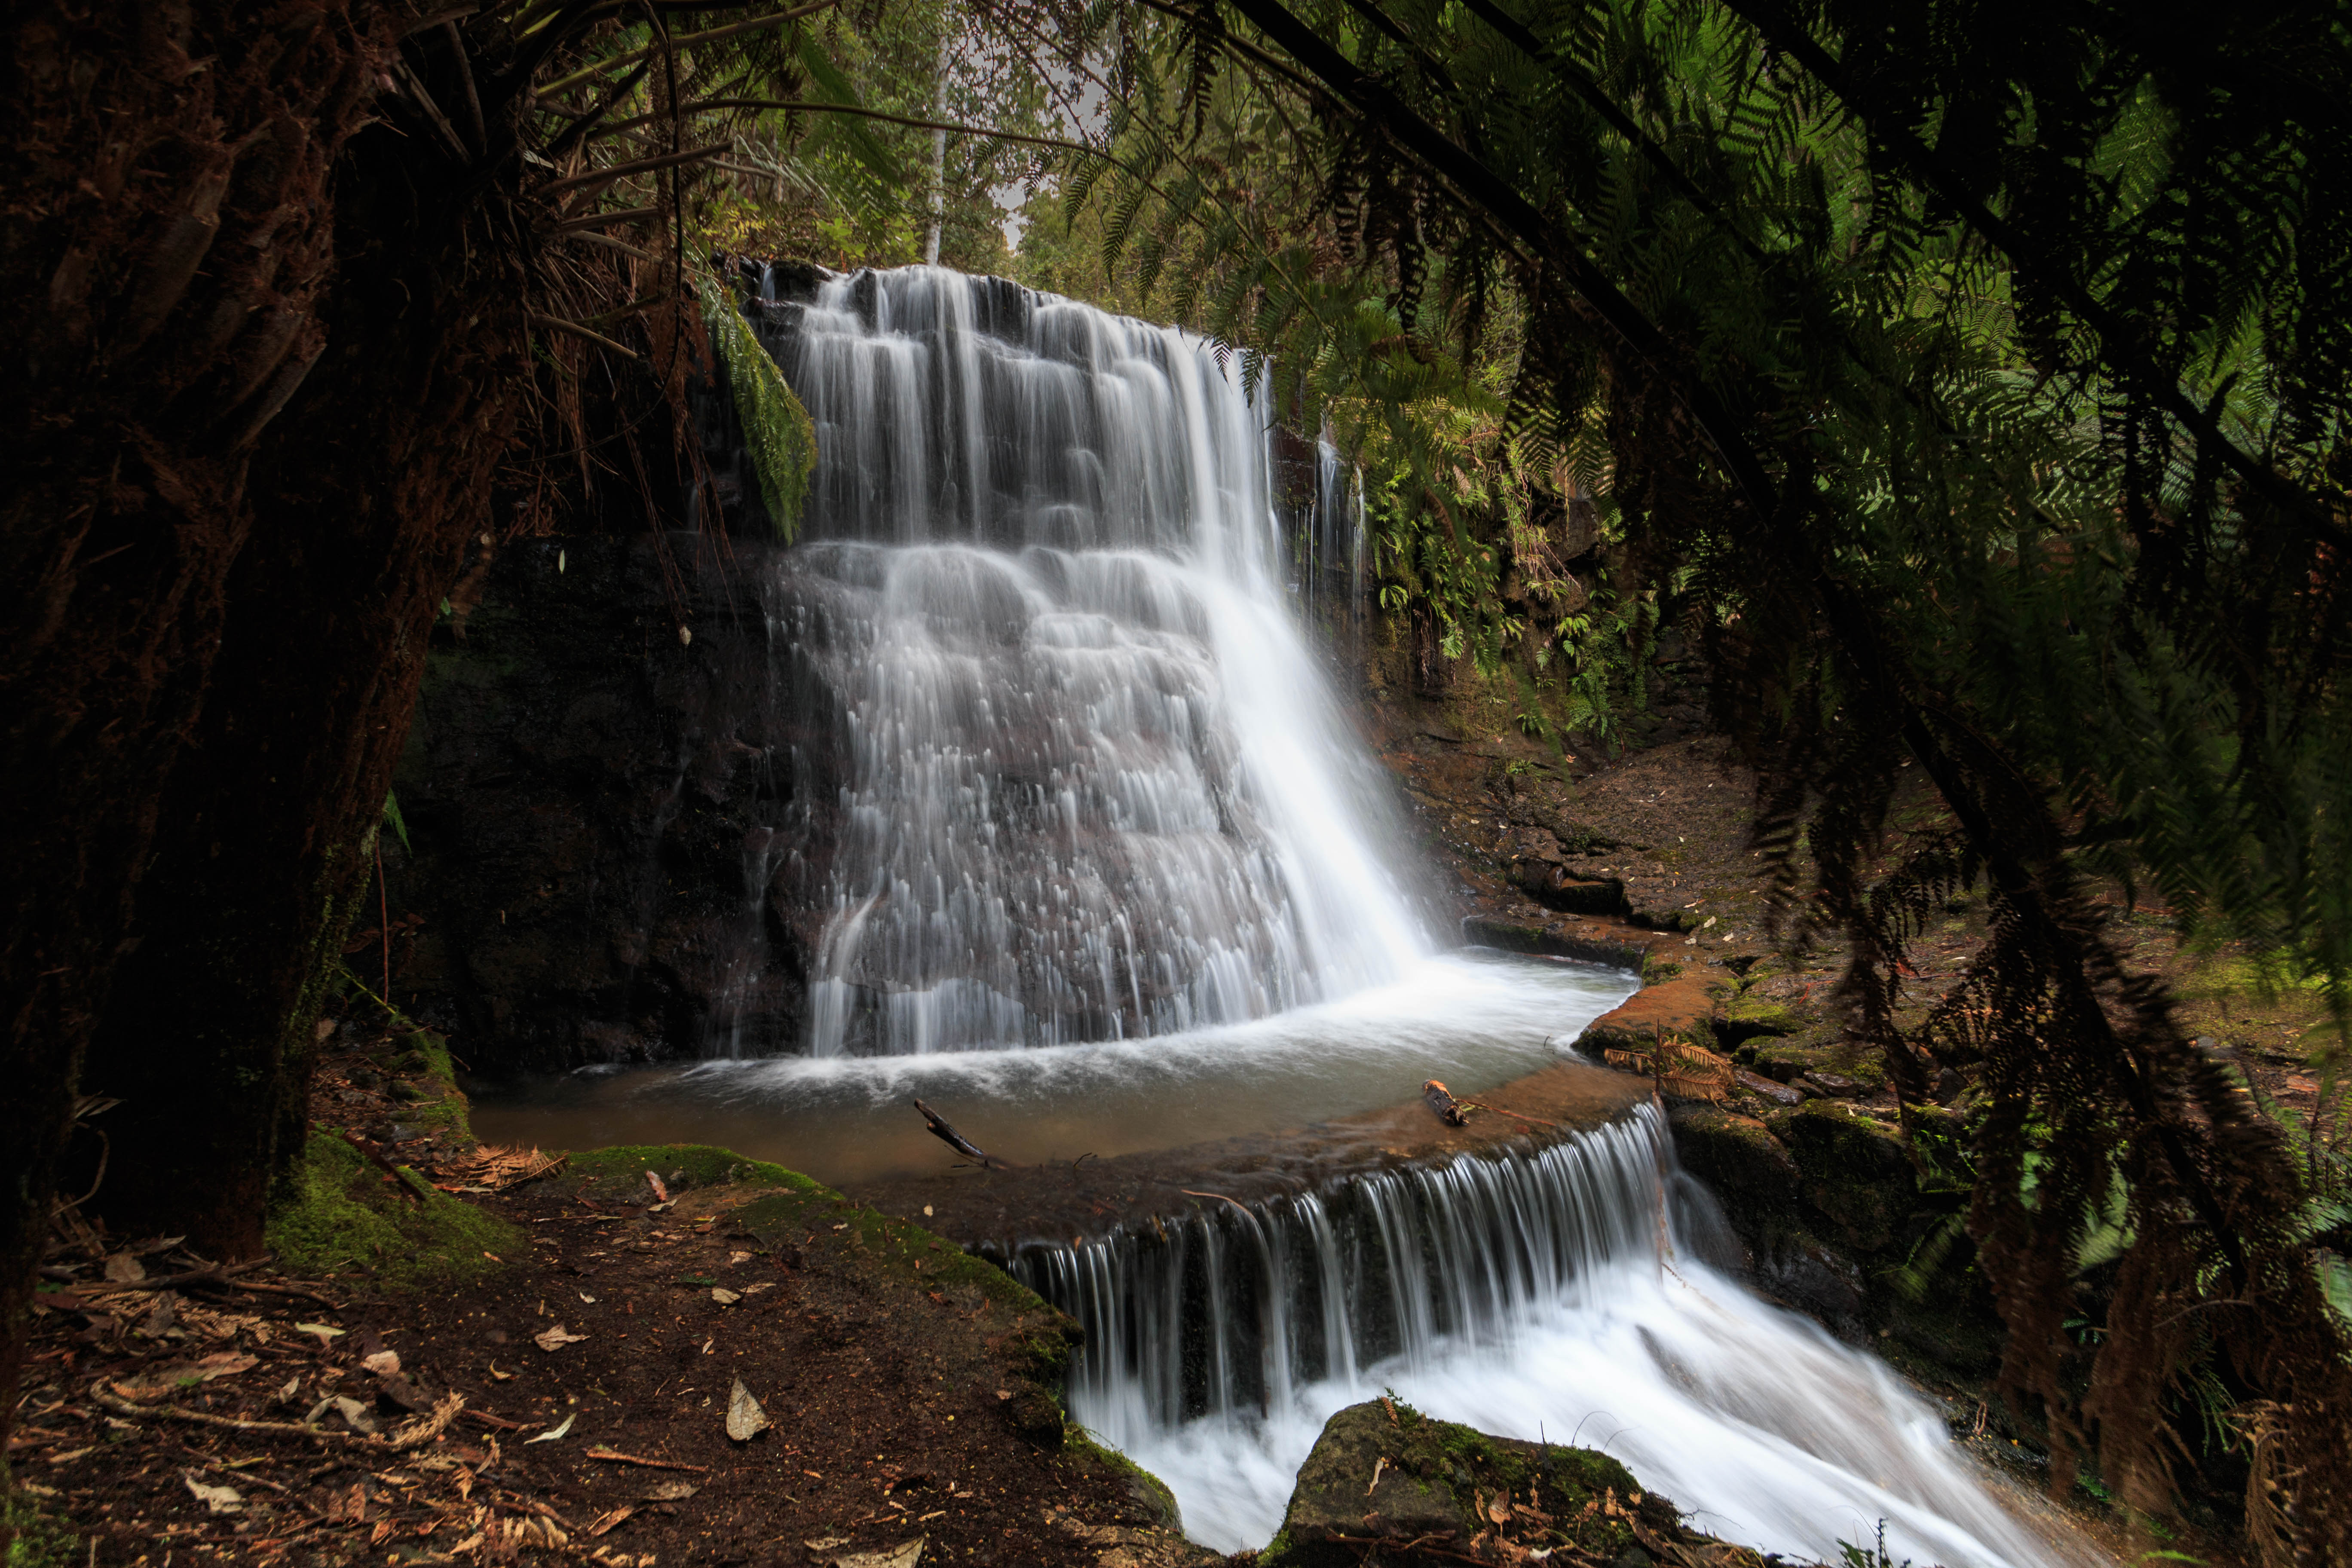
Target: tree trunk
{"points": [[167, 237], [233, 502], [363, 499]]}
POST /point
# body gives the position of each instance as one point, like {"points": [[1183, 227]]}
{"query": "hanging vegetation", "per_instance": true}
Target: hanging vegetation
{"points": [[777, 432]]}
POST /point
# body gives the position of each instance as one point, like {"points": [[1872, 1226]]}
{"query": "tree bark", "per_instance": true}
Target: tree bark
{"points": [[167, 237], [266, 361], [363, 500]]}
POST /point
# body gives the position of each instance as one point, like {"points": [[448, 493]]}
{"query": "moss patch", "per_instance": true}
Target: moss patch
{"points": [[1856, 1171], [36, 1540], [337, 1210], [1150, 1493]]}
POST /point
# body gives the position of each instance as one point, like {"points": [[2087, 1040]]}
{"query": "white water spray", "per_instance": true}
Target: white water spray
{"points": [[1535, 1296]]}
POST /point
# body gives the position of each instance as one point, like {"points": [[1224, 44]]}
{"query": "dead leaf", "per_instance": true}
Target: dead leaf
{"points": [[383, 1363], [219, 1499], [724, 1297], [904, 1555], [669, 1491], [124, 1269], [356, 1416], [165, 1379], [501, 1376], [607, 1522], [553, 1433], [661, 1193], [745, 1419], [555, 1339], [763, 1285], [327, 1335]]}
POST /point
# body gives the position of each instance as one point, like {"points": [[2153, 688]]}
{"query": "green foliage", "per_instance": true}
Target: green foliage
{"points": [[392, 818], [338, 1211], [778, 434]]}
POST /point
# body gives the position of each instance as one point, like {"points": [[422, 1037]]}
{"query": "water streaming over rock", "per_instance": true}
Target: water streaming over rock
{"points": [[1546, 1294], [1057, 767], [1085, 782]]}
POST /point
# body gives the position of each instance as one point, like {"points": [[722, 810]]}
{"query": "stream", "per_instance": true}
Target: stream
{"points": [[1086, 855]]}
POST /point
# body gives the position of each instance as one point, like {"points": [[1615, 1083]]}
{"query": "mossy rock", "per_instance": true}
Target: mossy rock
{"points": [[337, 1209], [1417, 1492], [1150, 1492], [1750, 1169], [1751, 1013], [1856, 1172]]}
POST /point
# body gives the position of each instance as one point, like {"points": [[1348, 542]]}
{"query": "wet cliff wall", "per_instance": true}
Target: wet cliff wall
{"points": [[596, 741]]}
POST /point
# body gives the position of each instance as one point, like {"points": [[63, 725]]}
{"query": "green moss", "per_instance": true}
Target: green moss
{"points": [[1751, 1013], [35, 1539], [336, 1210], [1150, 1493], [1656, 971], [1856, 1171], [1735, 1154], [703, 1164], [1446, 1477]]}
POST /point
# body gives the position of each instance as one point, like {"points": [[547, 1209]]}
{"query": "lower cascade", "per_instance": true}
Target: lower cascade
{"points": [[1554, 1295]]}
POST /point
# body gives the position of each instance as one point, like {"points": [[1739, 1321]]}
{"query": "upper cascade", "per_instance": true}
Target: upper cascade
{"points": [[1088, 782]]}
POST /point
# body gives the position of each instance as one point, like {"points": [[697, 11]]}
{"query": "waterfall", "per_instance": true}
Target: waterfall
{"points": [[1083, 781], [1546, 1294]]}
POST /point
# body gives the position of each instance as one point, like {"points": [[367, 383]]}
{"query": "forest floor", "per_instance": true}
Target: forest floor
{"points": [[570, 1398]]}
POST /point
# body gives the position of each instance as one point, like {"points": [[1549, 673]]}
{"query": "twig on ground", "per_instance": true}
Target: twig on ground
{"points": [[614, 1455]]}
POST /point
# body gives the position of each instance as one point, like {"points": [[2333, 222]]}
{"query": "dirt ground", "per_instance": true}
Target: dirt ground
{"points": [[572, 1401]]}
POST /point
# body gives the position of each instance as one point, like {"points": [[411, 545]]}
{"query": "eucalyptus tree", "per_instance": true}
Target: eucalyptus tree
{"points": [[1970, 379]]}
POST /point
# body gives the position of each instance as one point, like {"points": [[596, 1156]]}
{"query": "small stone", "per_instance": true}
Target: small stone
{"points": [[745, 1419]]}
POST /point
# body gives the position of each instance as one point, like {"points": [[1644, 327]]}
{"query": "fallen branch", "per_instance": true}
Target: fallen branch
{"points": [[217, 1275], [500, 1421], [386, 1166], [229, 1423], [613, 1455], [956, 1140], [1441, 1099]]}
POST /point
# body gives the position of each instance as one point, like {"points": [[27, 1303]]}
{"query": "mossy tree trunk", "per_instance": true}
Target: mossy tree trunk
{"points": [[251, 405]]}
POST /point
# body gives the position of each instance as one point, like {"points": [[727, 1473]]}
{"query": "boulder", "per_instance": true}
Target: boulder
{"points": [[1386, 1482], [1857, 1172]]}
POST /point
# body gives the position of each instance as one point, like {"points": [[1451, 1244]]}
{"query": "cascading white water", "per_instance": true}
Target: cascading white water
{"points": [[1063, 772], [1095, 788], [1543, 1295]]}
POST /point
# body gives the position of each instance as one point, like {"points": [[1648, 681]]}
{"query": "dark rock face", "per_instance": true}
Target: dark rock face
{"points": [[1829, 1208], [598, 773], [1386, 1483]]}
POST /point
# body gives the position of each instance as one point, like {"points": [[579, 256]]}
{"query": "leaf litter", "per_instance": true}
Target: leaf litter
{"points": [[331, 1448]]}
